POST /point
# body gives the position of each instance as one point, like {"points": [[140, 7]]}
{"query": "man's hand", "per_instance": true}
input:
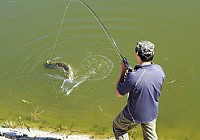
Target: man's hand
{"points": [[123, 67]]}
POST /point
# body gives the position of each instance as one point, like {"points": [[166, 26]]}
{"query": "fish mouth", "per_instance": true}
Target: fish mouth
{"points": [[49, 62]]}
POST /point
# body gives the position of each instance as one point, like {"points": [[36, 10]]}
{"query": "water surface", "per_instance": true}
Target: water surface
{"points": [[33, 94]]}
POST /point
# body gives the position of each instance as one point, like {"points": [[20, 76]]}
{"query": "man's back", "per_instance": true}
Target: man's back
{"points": [[144, 86]]}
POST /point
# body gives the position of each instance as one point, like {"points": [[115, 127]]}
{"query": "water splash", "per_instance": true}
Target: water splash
{"points": [[69, 84], [95, 67]]}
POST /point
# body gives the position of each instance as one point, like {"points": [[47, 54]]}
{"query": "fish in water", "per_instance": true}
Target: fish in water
{"points": [[54, 65]]}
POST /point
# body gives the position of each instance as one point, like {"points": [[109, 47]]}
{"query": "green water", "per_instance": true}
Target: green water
{"points": [[32, 94]]}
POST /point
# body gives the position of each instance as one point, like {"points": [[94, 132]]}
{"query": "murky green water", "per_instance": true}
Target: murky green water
{"points": [[32, 94]]}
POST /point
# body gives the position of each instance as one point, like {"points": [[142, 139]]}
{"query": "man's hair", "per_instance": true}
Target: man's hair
{"points": [[145, 50]]}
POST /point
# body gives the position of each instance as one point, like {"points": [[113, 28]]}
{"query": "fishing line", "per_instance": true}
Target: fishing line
{"points": [[59, 30]]}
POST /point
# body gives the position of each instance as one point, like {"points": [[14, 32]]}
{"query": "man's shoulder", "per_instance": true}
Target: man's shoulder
{"points": [[135, 75], [159, 70], [156, 66]]}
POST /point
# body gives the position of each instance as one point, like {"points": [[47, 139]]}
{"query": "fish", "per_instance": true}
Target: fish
{"points": [[55, 65]]}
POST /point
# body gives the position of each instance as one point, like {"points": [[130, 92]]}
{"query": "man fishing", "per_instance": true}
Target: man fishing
{"points": [[143, 86]]}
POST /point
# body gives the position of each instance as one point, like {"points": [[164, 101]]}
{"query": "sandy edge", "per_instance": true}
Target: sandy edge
{"points": [[35, 134]]}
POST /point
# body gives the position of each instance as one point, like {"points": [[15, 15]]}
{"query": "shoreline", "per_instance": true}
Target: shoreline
{"points": [[35, 134]]}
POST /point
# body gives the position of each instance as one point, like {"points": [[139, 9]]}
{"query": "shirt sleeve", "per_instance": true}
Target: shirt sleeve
{"points": [[127, 85]]}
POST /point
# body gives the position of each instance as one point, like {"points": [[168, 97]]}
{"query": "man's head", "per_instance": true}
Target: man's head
{"points": [[145, 50]]}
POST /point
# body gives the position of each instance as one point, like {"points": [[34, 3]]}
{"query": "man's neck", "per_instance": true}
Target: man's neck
{"points": [[145, 63]]}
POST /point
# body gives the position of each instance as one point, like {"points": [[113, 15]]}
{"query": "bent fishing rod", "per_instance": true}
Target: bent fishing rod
{"points": [[124, 60]]}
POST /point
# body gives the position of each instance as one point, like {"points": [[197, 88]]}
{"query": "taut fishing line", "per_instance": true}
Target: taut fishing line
{"points": [[59, 30]]}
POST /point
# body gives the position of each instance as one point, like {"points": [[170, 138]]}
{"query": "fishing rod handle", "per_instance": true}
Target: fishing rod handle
{"points": [[125, 61]]}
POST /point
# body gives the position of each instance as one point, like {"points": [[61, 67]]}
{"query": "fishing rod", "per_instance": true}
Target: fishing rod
{"points": [[124, 60]]}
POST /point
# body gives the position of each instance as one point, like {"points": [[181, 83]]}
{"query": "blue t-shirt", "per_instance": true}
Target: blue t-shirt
{"points": [[144, 86]]}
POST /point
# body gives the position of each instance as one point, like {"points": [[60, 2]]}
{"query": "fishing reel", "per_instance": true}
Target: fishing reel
{"points": [[125, 61], [129, 68]]}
